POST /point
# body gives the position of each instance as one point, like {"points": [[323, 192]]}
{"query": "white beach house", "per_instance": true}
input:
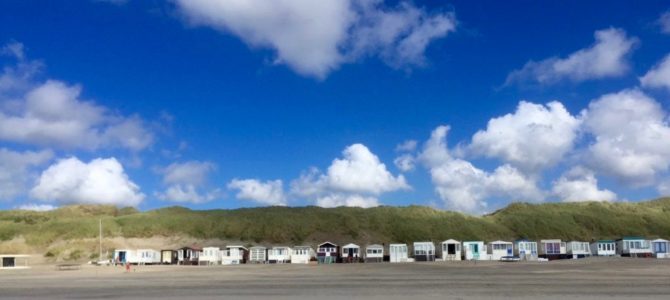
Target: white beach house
{"points": [[603, 248], [660, 247], [374, 253], [578, 249], [424, 251], [188, 255], [474, 250], [210, 256], [450, 250], [398, 253], [302, 254], [279, 255], [500, 249], [148, 257], [234, 255], [126, 256], [634, 246], [351, 253], [258, 255], [552, 249], [14, 261], [525, 249]]}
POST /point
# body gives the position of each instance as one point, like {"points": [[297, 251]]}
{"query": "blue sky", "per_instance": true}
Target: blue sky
{"points": [[211, 104]]}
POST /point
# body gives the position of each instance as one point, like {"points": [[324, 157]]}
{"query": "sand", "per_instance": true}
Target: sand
{"points": [[592, 278]]}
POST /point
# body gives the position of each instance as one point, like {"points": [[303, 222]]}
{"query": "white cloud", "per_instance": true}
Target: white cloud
{"points": [[187, 193], [464, 187], [270, 192], [101, 181], [407, 146], [664, 22], [16, 170], [37, 207], [658, 76], [185, 181], [664, 188], [190, 172], [52, 113], [316, 37], [404, 162], [580, 184], [533, 138], [631, 137], [335, 200], [359, 172], [607, 57]]}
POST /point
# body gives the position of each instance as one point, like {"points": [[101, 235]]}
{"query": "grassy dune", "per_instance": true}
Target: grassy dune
{"points": [[284, 225]]}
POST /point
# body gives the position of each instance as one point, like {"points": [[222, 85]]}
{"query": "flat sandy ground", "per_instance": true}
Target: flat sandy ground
{"points": [[593, 278]]}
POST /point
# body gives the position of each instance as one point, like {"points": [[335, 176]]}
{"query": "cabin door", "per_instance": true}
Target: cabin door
{"points": [[122, 256], [509, 251], [7, 262], [475, 249], [351, 252], [660, 248], [451, 249]]}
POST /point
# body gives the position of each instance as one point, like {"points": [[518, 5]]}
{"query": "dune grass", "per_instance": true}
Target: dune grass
{"points": [[299, 225]]}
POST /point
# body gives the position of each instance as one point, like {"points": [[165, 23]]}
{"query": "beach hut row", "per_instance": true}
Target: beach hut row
{"points": [[449, 250]]}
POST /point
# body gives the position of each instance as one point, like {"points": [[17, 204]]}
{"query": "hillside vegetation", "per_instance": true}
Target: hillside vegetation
{"points": [[310, 225]]}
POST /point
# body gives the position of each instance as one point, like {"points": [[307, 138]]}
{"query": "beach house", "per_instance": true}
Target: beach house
{"points": [[279, 255], [603, 248], [351, 253], [525, 249], [210, 256], [302, 254], [188, 255], [374, 253], [499, 249], [577, 249], [398, 253], [424, 251], [450, 250], [633, 246], [474, 250], [258, 255], [327, 253], [660, 248], [552, 249], [234, 255]]}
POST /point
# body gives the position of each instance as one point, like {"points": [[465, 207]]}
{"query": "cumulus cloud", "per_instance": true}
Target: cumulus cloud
{"points": [[270, 192], [100, 181], [607, 57], [407, 146], [464, 187], [580, 184], [37, 207], [315, 37], [185, 182], [16, 170], [533, 138], [631, 137], [658, 76], [664, 188], [405, 162], [664, 22], [186, 193], [359, 173], [52, 113], [335, 200]]}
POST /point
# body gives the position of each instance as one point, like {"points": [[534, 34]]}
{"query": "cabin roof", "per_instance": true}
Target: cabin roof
{"points": [[501, 242], [660, 241], [14, 255], [396, 245], [374, 246], [327, 243], [424, 243], [628, 238], [236, 246], [302, 247], [258, 247], [350, 246], [473, 242], [605, 241], [278, 247], [451, 241]]}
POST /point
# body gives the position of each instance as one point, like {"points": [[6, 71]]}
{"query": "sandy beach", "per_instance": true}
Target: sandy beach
{"points": [[593, 278]]}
